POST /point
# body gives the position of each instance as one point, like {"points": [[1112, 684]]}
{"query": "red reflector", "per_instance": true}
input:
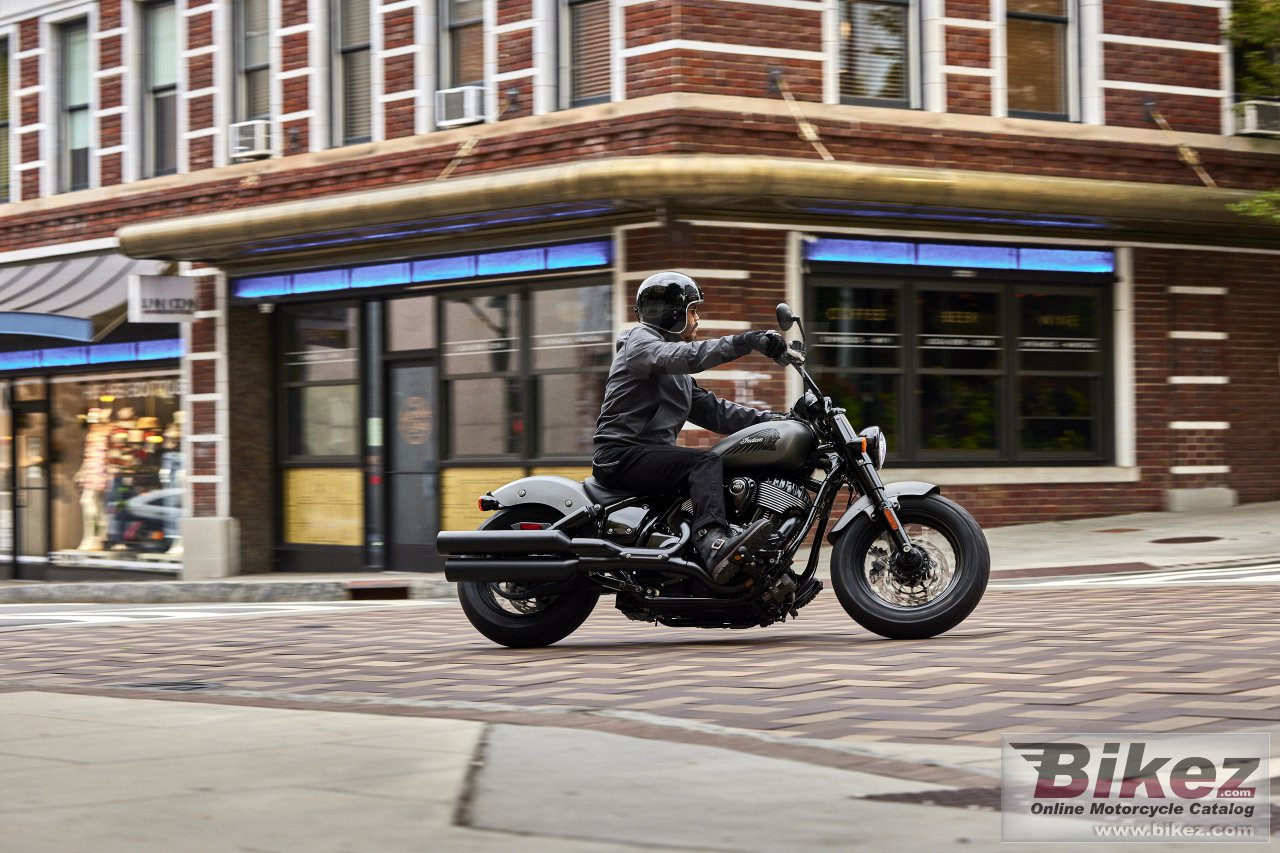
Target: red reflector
{"points": [[530, 525]]}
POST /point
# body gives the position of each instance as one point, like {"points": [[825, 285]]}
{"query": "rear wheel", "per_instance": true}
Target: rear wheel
{"points": [[912, 604], [503, 613]]}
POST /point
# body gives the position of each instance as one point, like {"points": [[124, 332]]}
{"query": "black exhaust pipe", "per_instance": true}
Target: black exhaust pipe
{"points": [[484, 570], [489, 556]]}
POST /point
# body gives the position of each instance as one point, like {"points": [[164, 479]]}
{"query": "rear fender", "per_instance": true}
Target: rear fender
{"points": [[865, 506], [559, 493]]}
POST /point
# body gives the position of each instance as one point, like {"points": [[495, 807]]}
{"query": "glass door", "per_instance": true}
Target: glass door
{"points": [[413, 469], [6, 481], [31, 483]]}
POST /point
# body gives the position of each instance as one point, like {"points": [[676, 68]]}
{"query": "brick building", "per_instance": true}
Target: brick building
{"points": [[411, 230]]}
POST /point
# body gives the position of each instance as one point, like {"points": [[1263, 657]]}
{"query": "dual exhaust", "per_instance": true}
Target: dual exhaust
{"points": [[548, 556]]}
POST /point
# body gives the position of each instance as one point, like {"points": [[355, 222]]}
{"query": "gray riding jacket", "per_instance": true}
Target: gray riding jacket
{"points": [[650, 394]]}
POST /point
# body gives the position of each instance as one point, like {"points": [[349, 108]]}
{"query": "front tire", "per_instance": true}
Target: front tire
{"points": [[902, 606], [527, 623]]}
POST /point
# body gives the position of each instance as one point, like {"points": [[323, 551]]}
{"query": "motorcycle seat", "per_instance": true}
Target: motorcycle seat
{"points": [[602, 494]]}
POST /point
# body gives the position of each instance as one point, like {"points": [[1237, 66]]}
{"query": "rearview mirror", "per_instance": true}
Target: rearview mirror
{"points": [[786, 317]]}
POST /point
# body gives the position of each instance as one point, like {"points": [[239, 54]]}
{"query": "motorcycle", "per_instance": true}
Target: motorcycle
{"points": [[906, 562]]}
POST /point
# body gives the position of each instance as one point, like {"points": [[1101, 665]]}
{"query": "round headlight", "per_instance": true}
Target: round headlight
{"points": [[877, 445]]}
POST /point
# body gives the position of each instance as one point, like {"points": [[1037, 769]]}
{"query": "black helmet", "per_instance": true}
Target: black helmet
{"points": [[663, 301]]}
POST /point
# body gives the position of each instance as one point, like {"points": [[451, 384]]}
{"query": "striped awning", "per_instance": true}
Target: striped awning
{"points": [[82, 286]]}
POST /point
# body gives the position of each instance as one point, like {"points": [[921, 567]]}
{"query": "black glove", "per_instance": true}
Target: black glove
{"points": [[771, 344], [774, 416]]}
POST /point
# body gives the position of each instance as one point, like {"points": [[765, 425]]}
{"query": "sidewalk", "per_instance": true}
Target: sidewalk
{"points": [[1126, 542], [131, 775]]}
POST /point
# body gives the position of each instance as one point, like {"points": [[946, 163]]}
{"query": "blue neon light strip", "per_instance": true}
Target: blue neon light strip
{"points": [[990, 257], [594, 253], [91, 354]]}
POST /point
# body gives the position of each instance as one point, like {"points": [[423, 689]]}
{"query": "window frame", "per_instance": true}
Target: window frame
{"points": [[1070, 23], [341, 54], [6, 138], [912, 58], [450, 27], [907, 447], [524, 375], [241, 66], [152, 93], [566, 77], [68, 112]]}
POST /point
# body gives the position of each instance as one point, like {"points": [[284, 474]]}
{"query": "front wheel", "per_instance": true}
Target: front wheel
{"points": [[901, 603], [502, 613]]}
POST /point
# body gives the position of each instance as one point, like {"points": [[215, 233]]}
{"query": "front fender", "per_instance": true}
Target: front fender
{"points": [[864, 505], [559, 493]]}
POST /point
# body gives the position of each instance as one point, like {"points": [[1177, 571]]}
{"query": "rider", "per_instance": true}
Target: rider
{"points": [[647, 399]]}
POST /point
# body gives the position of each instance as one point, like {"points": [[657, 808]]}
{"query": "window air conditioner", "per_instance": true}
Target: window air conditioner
{"points": [[251, 140], [463, 105], [1259, 118]]}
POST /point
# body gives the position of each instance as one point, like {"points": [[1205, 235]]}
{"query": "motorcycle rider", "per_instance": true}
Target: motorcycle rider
{"points": [[648, 397]]}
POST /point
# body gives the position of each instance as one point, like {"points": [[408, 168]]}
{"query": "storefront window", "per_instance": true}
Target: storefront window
{"points": [[998, 371], [117, 473], [321, 362], [481, 359], [572, 348], [524, 370]]}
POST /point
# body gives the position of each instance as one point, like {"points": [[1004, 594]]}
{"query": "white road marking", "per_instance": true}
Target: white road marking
{"points": [[1257, 574], [15, 617]]}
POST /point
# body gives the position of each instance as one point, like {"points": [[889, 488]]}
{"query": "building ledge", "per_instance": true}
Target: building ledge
{"points": [[804, 193]]}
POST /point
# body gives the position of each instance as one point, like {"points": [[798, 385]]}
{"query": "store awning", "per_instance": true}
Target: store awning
{"points": [[75, 286], [801, 193]]}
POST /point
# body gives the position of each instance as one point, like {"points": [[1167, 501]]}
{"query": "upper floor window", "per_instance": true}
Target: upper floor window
{"points": [[877, 49], [253, 60], [4, 120], [352, 118], [160, 90], [584, 51], [462, 48], [1039, 62], [74, 129]]}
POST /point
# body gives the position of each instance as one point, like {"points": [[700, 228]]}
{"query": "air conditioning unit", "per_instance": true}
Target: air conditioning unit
{"points": [[463, 105], [251, 140], [1259, 118]]}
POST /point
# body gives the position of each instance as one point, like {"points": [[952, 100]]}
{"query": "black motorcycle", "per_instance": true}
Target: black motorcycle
{"points": [[907, 563]]}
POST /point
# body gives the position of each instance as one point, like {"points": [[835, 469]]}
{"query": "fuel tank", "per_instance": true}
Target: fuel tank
{"points": [[777, 447]]}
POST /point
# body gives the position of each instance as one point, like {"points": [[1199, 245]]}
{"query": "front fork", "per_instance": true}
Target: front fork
{"points": [[909, 557]]}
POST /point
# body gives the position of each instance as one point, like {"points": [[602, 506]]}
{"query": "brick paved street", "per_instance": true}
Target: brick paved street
{"points": [[1115, 659]]}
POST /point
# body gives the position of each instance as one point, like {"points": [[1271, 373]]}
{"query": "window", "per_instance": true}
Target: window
{"points": [[524, 370], [462, 49], [980, 372], [876, 38], [4, 121], [253, 62], [584, 73], [352, 105], [160, 90], [1038, 58], [74, 119], [321, 360]]}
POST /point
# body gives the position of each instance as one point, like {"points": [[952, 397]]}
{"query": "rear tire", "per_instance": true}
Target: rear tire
{"points": [[529, 623], [960, 564]]}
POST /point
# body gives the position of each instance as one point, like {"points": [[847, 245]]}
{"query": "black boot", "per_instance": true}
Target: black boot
{"points": [[722, 554]]}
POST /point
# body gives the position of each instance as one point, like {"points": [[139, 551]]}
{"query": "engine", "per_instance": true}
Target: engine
{"points": [[783, 502]]}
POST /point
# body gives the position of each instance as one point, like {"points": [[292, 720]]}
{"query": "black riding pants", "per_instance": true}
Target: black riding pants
{"points": [[661, 469]]}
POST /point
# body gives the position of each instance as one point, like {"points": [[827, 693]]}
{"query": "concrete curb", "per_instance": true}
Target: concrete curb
{"points": [[155, 592]]}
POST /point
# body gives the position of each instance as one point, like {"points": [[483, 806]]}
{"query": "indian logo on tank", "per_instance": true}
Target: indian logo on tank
{"points": [[765, 439]]}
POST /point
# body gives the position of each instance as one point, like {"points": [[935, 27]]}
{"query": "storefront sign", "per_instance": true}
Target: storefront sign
{"points": [[161, 299]]}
